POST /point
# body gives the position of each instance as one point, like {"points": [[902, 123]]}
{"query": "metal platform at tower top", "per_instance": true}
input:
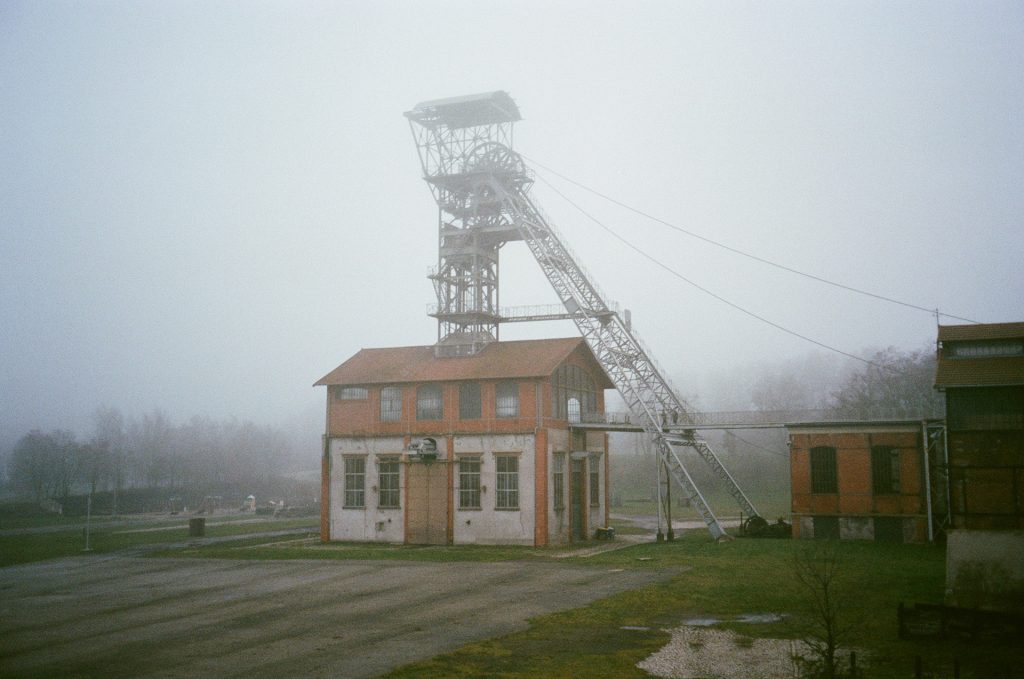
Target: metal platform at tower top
{"points": [[455, 113]]}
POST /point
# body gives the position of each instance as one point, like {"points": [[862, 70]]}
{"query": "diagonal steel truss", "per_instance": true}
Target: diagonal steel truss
{"points": [[646, 392]]}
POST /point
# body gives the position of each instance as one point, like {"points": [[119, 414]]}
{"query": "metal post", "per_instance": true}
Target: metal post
{"points": [[658, 463], [670, 535], [88, 520], [949, 475], [926, 442]]}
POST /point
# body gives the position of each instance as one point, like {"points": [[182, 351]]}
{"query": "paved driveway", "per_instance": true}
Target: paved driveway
{"points": [[128, 616]]}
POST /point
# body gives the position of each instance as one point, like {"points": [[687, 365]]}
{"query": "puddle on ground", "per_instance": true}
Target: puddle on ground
{"points": [[751, 618]]}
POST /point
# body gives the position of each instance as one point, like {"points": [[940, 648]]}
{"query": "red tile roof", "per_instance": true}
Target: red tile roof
{"points": [[981, 331], [499, 360]]}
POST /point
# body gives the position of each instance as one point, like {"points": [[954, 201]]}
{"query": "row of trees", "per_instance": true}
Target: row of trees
{"points": [[149, 452], [892, 384]]}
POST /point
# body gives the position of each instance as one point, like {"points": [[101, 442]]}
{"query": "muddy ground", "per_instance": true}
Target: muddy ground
{"points": [[126, 615]]}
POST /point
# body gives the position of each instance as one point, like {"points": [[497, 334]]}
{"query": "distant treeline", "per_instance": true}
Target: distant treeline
{"points": [[150, 452]]}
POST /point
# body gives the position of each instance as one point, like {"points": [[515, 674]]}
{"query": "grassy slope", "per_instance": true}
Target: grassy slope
{"points": [[70, 541]]}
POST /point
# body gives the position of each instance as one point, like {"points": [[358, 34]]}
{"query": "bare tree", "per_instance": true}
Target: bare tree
{"points": [[817, 567], [895, 384], [45, 465]]}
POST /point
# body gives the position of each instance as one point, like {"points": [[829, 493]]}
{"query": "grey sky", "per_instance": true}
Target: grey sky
{"points": [[204, 207]]}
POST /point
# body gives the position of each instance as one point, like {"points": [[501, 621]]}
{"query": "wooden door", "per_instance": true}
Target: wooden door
{"points": [[427, 511], [577, 497]]}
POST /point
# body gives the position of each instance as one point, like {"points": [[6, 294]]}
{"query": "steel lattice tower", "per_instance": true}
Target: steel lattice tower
{"points": [[464, 144]]}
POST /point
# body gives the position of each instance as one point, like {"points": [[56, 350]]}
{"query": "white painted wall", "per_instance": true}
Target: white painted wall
{"points": [[489, 525], [369, 524]]}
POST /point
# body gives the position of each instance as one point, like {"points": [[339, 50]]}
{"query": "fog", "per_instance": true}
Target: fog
{"points": [[204, 207]]}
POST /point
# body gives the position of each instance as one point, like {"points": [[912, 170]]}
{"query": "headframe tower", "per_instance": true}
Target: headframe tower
{"points": [[464, 144], [481, 187]]}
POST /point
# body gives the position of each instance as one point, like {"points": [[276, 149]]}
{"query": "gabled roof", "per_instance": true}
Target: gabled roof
{"points": [[498, 360]]}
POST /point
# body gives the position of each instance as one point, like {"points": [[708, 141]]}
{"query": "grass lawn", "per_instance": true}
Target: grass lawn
{"points": [[768, 505], [105, 537], [721, 581]]}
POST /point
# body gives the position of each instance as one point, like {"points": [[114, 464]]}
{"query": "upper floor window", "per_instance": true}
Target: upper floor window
{"points": [[573, 393], [885, 470], [469, 401], [429, 403], [507, 399], [391, 404], [824, 478], [984, 348], [351, 393]]}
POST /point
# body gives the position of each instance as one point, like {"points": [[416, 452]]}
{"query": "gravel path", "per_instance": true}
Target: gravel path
{"points": [[120, 616], [702, 652]]}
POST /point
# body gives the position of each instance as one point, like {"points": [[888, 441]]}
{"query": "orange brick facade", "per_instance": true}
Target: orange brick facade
{"points": [[356, 429], [856, 509]]}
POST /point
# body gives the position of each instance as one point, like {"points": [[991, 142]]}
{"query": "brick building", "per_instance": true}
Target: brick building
{"points": [[478, 449], [860, 480], [981, 370]]}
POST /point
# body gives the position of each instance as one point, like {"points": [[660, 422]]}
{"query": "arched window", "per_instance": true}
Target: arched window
{"points": [[574, 410], [571, 382]]}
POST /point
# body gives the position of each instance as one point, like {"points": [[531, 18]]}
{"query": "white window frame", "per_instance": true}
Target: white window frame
{"points": [[354, 483], [506, 482]]}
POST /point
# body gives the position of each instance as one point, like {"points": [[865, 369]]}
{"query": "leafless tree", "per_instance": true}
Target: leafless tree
{"points": [[895, 384], [818, 569]]}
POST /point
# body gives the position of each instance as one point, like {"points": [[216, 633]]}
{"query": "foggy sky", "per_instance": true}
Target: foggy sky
{"points": [[204, 207]]}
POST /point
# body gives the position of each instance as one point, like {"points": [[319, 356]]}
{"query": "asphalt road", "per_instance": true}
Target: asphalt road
{"points": [[120, 616]]}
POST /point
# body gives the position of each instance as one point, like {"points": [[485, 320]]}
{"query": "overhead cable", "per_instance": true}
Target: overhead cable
{"points": [[744, 253], [706, 291]]}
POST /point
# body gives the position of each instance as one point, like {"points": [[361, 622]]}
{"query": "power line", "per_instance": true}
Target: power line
{"points": [[706, 291], [755, 445], [743, 253]]}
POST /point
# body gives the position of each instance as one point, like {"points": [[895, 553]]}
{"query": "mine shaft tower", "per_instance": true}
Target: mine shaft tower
{"points": [[465, 145], [481, 187]]}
